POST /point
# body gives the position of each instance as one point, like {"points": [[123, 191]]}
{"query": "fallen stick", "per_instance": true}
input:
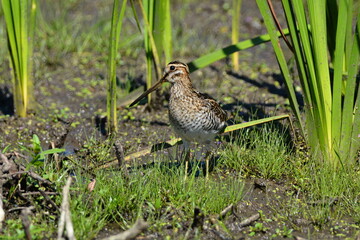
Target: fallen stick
{"points": [[301, 238], [139, 226], [26, 221], [38, 193], [143, 152], [119, 153], [225, 211], [65, 216], [36, 176], [2, 212], [249, 220], [8, 175], [219, 234], [48, 199]]}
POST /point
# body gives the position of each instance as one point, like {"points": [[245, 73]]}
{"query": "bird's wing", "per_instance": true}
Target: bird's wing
{"points": [[213, 105]]}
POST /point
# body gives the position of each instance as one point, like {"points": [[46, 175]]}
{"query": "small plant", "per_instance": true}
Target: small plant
{"points": [[257, 228], [37, 153], [284, 232], [14, 229]]}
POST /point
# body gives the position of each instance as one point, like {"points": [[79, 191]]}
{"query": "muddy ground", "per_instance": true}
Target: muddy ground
{"points": [[70, 93]]}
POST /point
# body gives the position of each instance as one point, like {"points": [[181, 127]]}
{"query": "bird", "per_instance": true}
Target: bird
{"points": [[194, 116]]}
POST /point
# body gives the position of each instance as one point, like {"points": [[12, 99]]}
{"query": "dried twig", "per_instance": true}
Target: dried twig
{"points": [[278, 26], [26, 221], [36, 176], [45, 195], [9, 175], [16, 209], [119, 153], [219, 234], [65, 215], [2, 212], [301, 238], [38, 193], [225, 211], [249, 220], [139, 226]]}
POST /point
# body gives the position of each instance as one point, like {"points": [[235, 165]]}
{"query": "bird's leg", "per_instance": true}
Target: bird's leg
{"points": [[207, 157], [187, 157]]}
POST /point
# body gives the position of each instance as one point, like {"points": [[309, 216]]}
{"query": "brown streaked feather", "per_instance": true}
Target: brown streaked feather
{"points": [[214, 106]]}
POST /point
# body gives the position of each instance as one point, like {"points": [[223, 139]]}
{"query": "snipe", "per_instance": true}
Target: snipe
{"points": [[195, 116]]}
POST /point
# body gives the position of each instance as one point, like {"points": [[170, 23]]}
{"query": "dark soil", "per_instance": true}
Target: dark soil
{"points": [[70, 93]]}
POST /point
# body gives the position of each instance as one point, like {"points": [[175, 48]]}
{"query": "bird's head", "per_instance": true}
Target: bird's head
{"points": [[175, 72]]}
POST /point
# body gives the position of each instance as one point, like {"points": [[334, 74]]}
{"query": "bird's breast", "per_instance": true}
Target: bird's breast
{"points": [[192, 119]]}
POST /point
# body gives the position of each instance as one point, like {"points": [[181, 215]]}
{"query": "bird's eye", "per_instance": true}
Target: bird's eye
{"points": [[172, 68]]}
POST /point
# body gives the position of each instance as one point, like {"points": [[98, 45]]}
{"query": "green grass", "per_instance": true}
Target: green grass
{"points": [[261, 151], [151, 193], [161, 194]]}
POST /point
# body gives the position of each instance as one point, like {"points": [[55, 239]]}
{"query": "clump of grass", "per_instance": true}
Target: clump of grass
{"points": [[326, 195], [317, 194], [151, 193], [261, 151]]}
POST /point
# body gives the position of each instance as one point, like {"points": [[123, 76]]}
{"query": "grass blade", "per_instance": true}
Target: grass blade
{"points": [[338, 61], [317, 17], [351, 104], [235, 31], [290, 15], [19, 28], [116, 24], [254, 123], [147, 11], [219, 54], [265, 12], [162, 29]]}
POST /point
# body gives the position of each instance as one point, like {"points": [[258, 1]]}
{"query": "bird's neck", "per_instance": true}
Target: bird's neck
{"points": [[181, 88]]}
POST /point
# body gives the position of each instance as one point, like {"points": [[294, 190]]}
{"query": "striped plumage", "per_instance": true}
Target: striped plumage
{"points": [[195, 117]]}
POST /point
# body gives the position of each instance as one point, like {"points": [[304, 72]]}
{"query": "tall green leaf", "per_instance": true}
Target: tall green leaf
{"points": [[20, 33], [222, 53], [157, 36], [235, 31], [116, 24], [265, 12], [322, 33], [162, 29]]}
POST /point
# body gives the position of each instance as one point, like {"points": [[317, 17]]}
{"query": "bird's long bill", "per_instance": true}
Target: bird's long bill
{"points": [[153, 88]]}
